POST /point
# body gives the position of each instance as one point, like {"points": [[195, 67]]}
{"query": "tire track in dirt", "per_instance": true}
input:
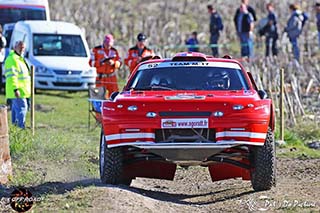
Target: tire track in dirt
{"points": [[298, 185]]}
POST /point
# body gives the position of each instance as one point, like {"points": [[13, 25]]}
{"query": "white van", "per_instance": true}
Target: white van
{"points": [[12, 11], [59, 52]]}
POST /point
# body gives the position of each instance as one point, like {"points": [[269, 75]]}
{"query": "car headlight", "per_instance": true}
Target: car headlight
{"points": [[42, 70], [89, 72]]}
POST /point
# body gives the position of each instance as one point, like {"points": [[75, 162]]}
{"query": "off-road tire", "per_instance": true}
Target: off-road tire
{"points": [[263, 175], [111, 164]]}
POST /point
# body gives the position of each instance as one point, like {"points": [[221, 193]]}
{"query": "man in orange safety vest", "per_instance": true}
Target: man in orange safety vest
{"points": [[138, 52], [106, 59]]}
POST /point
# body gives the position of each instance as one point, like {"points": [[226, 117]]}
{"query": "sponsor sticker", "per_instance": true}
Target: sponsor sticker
{"points": [[184, 123]]}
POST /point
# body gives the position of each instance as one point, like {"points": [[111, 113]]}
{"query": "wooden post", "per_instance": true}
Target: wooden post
{"points": [[5, 159], [32, 101], [281, 105]]}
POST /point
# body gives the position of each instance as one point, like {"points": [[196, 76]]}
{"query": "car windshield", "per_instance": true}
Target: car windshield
{"points": [[58, 45], [11, 15], [188, 78], [8, 35]]}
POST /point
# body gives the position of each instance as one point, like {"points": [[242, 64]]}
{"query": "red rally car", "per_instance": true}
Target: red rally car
{"points": [[189, 110]]}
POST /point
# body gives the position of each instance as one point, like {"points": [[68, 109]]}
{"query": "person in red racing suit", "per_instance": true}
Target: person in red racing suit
{"points": [[106, 59], [137, 53]]}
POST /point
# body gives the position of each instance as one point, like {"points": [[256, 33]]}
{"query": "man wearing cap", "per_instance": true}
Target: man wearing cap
{"points": [[106, 59], [138, 52]]}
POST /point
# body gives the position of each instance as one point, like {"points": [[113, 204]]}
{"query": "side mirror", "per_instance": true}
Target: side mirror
{"points": [[114, 95], [263, 94], [26, 54]]}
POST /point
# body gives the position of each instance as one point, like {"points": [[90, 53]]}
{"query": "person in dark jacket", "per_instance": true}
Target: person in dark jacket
{"points": [[244, 26], [294, 29], [250, 10], [318, 20], [271, 31], [192, 42], [216, 26]]}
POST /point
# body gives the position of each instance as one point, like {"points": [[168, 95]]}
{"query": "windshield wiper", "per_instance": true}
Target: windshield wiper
{"points": [[152, 87]]}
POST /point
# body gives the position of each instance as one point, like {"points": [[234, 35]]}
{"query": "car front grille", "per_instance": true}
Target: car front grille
{"points": [[67, 72], [60, 84], [184, 114], [185, 135]]}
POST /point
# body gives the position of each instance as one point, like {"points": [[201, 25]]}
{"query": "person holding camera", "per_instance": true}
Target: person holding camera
{"points": [[270, 31], [106, 59]]}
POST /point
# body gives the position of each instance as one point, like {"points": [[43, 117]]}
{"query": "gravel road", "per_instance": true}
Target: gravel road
{"points": [[297, 190]]}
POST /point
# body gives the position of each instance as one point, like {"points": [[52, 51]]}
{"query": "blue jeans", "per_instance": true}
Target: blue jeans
{"points": [[246, 45], [19, 111], [295, 48], [214, 44]]}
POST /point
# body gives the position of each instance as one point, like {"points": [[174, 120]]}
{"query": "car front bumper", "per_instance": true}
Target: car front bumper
{"points": [[187, 153]]}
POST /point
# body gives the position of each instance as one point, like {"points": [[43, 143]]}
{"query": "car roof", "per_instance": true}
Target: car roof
{"points": [[25, 2], [193, 56], [57, 27], [185, 57]]}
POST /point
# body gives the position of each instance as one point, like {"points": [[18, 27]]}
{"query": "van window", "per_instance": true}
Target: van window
{"points": [[11, 15], [8, 35], [58, 45], [19, 36]]}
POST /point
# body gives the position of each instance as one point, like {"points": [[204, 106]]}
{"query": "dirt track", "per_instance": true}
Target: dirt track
{"points": [[298, 190]]}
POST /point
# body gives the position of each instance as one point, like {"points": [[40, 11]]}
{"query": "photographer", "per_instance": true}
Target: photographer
{"points": [[107, 60]]}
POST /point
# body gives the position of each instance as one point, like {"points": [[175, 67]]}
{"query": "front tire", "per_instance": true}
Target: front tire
{"points": [[263, 175], [111, 164]]}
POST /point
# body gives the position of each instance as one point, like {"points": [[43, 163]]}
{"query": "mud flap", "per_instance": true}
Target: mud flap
{"points": [[150, 169], [222, 171]]}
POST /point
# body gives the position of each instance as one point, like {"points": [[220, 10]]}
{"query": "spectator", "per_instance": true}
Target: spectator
{"points": [[215, 27], [192, 42], [244, 25], [271, 31], [318, 20], [294, 29], [106, 59], [3, 44], [138, 52], [18, 83], [250, 10]]}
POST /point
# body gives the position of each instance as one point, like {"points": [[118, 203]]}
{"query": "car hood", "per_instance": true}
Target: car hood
{"points": [[182, 101], [62, 62], [165, 96]]}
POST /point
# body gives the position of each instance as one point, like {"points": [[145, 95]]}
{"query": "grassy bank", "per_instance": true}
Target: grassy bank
{"points": [[62, 149]]}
